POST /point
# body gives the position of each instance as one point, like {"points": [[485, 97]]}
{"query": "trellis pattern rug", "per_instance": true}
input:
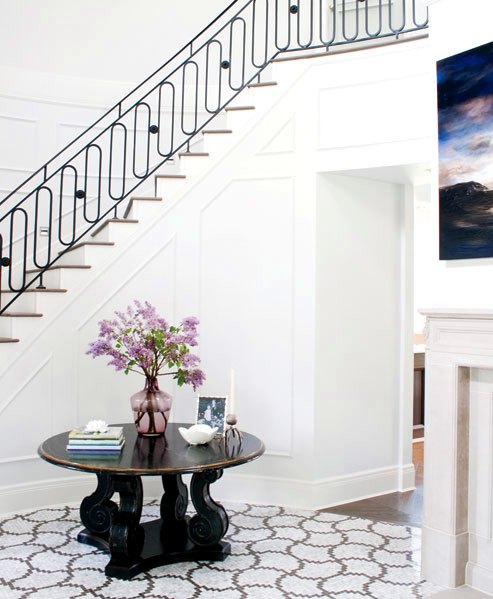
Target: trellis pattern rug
{"points": [[276, 553]]}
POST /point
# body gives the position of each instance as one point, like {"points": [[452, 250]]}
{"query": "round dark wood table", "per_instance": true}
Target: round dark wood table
{"points": [[174, 537]]}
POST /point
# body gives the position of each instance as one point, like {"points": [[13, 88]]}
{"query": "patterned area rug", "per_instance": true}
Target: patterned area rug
{"points": [[276, 553]]}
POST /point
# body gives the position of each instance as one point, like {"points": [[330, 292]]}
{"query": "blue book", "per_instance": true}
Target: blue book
{"points": [[95, 448], [97, 442]]}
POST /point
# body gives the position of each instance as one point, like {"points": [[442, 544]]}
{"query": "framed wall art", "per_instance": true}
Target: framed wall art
{"points": [[465, 128]]}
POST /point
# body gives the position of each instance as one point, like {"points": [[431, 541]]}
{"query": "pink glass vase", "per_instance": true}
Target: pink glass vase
{"points": [[151, 408]]}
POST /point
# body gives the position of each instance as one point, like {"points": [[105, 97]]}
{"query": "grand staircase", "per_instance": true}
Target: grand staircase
{"points": [[161, 139]]}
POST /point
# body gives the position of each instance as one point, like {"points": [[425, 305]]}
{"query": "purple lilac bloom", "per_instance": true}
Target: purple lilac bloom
{"points": [[140, 338], [195, 378]]}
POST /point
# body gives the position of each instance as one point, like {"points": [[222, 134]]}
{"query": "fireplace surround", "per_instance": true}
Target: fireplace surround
{"points": [[457, 544]]}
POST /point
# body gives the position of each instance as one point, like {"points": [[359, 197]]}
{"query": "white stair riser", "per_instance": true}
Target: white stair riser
{"points": [[217, 143], [169, 168], [26, 302], [6, 327], [18, 328], [239, 119], [194, 165], [86, 254], [143, 211], [64, 278], [116, 232], [219, 122], [256, 96], [195, 145], [40, 303], [166, 188]]}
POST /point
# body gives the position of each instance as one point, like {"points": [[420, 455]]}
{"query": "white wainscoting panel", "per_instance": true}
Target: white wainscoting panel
{"points": [[20, 139], [246, 277], [375, 112], [26, 415]]}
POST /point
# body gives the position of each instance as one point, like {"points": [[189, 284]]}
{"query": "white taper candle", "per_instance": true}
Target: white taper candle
{"points": [[232, 391]]}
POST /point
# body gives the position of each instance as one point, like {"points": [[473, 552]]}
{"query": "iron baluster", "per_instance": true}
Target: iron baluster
{"points": [[111, 167], [266, 35], [233, 54], [218, 62], [286, 13], [344, 32], [195, 95], [400, 29], [160, 125], [327, 10], [416, 24], [380, 20], [149, 130]]}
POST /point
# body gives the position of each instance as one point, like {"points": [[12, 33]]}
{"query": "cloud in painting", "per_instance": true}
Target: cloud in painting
{"points": [[480, 143], [477, 109]]}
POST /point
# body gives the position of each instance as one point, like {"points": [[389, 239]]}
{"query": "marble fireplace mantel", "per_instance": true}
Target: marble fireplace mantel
{"points": [[457, 543]]}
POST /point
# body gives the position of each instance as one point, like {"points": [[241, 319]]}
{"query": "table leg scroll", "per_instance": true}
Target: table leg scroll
{"points": [[210, 524], [174, 507], [127, 535], [97, 513]]}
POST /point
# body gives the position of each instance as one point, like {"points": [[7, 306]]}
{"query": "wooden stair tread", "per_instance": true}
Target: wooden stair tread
{"points": [[7, 340], [21, 315], [145, 199], [233, 108], [36, 290], [170, 176], [201, 154], [59, 267], [121, 220], [262, 84], [216, 131]]}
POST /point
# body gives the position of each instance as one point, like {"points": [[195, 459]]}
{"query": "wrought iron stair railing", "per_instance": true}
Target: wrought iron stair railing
{"points": [[92, 176]]}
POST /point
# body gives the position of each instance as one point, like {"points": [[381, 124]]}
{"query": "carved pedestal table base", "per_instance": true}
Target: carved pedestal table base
{"points": [[174, 537]]}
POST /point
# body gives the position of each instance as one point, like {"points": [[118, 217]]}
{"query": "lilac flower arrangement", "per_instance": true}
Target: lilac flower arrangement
{"points": [[140, 339]]}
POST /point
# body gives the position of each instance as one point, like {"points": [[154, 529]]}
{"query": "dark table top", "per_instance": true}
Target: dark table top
{"points": [[149, 456]]}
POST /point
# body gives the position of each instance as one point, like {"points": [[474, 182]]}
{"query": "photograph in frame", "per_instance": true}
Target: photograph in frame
{"points": [[212, 411]]}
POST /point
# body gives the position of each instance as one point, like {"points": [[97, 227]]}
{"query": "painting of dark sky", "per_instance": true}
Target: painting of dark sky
{"points": [[465, 121]]}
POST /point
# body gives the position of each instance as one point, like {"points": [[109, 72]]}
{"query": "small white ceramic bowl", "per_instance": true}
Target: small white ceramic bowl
{"points": [[198, 434]]}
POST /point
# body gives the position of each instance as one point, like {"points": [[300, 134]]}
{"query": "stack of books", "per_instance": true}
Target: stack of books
{"points": [[109, 443]]}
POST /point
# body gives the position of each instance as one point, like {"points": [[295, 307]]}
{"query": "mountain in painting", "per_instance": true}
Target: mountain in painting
{"points": [[466, 221]]}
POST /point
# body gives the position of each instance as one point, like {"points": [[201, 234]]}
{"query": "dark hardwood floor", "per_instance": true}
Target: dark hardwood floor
{"points": [[401, 508]]}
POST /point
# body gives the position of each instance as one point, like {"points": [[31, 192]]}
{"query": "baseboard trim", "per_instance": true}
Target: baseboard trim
{"points": [[305, 494], [234, 487], [48, 492], [444, 557], [479, 578]]}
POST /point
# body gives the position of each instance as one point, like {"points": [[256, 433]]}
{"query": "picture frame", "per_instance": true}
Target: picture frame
{"points": [[465, 125], [211, 410]]}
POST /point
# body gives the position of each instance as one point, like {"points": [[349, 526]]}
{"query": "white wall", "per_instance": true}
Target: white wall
{"points": [[238, 249], [360, 223], [455, 27], [106, 40]]}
